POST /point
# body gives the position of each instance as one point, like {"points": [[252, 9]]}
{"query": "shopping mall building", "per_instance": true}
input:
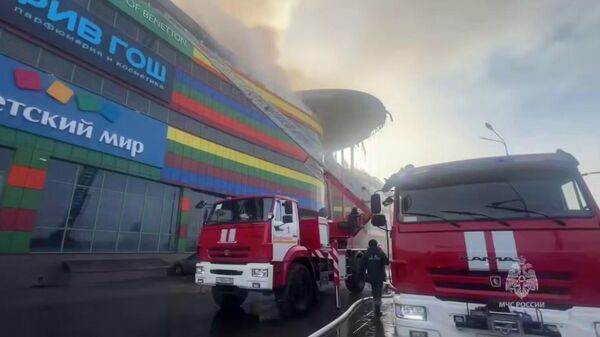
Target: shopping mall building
{"points": [[115, 122]]}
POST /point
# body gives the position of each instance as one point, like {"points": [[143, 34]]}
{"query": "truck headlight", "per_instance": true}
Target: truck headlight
{"points": [[413, 312], [259, 272], [597, 327], [200, 270]]}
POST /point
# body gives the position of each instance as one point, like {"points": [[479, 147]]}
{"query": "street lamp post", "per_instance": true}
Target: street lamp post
{"points": [[499, 140]]}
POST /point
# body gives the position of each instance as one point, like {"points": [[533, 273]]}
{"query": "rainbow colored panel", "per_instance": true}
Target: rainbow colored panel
{"points": [[198, 163]]}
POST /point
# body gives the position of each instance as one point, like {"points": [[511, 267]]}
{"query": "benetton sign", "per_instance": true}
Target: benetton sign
{"points": [[141, 11], [76, 31]]}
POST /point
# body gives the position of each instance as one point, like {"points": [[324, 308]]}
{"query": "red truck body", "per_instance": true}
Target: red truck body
{"points": [[533, 260], [259, 243]]}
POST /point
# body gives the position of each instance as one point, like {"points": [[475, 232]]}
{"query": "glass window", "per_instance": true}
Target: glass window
{"points": [[61, 171], [169, 214], [137, 102], [131, 219], [46, 240], [149, 243], [124, 24], [102, 10], [240, 211], [115, 181], [525, 194], [77, 241], [109, 214], [114, 91], [56, 65], [89, 176], [136, 186], [104, 241], [5, 160], [167, 243], [128, 242], [573, 199], [56, 201], [152, 212], [87, 79], [19, 49], [86, 209]]}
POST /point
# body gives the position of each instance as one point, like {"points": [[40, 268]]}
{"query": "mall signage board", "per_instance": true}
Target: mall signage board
{"points": [[78, 32], [38, 103], [156, 22]]}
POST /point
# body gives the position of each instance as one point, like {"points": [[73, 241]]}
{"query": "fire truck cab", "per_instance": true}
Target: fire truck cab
{"points": [[502, 246], [259, 243]]}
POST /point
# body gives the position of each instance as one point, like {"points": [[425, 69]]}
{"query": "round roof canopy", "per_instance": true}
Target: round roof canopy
{"points": [[348, 116]]}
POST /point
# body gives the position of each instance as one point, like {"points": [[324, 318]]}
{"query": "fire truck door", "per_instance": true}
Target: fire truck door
{"points": [[285, 229]]}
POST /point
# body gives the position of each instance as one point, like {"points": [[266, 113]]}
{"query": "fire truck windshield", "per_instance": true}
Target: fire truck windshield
{"points": [[550, 196], [241, 211]]}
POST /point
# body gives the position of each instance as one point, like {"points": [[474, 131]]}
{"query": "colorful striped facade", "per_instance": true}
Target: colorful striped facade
{"points": [[215, 144]]}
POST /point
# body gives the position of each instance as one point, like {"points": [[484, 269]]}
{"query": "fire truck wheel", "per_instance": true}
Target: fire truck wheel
{"points": [[228, 297], [355, 282], [297, 296]]}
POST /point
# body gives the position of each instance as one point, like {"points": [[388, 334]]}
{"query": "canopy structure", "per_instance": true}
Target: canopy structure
{"points": [[347, 116]]}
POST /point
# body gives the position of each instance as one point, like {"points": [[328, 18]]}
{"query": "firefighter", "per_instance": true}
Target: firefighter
{"points": [[374, 261]]}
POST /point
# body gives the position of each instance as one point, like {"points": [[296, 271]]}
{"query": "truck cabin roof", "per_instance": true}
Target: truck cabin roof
{"points": [[482, 169]]}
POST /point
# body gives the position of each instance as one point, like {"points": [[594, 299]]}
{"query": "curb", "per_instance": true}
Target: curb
{"points": [[342, 317]]}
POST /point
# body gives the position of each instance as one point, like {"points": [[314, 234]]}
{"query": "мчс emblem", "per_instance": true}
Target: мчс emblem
{"points": [[521, 279]]}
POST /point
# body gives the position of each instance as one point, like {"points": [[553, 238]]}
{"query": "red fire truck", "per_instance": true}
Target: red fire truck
{"points": [[261, 243], [504, 246]]}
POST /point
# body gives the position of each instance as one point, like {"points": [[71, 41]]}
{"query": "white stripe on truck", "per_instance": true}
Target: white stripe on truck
{"points": [[505, 246], [476, 251]]}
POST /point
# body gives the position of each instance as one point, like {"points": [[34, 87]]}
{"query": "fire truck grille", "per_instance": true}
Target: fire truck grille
{"points": [[560, 276], [551, 283], [487, 287], [232, 252]]}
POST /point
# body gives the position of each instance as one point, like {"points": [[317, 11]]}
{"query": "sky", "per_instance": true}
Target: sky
{"points": [[442, 68]]}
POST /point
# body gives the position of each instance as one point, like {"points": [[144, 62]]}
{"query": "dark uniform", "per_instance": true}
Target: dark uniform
{"points": [[374, 262]]}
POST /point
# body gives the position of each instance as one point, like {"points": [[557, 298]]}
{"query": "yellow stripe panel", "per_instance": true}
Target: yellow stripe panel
{"points": [[242, 158], [282, 104], [198, 55]]}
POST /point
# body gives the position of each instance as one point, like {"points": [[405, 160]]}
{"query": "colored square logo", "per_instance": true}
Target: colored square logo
{"points": [[27, 79], [60, 92], [110, 113], [89, 103]]}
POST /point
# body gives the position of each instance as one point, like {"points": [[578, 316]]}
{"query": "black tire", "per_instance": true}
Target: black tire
{"points": [[298, 294], [229, 298], [178, 270], [355, 282]]}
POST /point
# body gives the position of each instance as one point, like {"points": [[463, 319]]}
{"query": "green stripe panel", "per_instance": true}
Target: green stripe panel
{"points": [[207, 101], [34, 151], [205, 157], [184, 217], [181, 246], [17, 197], [14, 242]]}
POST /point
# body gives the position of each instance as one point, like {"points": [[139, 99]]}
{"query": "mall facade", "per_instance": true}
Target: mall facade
{"points": [[115, 123]]}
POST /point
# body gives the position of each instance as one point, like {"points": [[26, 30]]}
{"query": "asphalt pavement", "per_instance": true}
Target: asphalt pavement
{"points": [[169, 306]]}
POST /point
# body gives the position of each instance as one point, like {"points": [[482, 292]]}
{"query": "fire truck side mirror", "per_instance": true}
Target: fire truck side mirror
{"points": [[375, 203], [289, 207], [205, 215], [379, 220]]}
